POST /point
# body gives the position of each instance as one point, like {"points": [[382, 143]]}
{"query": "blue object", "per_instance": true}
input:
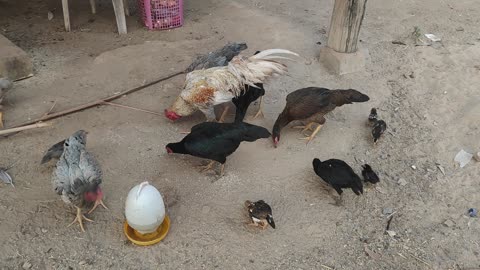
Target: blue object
{"points": [[472, 212]]}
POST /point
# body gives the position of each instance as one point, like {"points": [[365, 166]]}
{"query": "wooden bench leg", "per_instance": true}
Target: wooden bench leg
{"points": [[127, 10], [93, 6], [66, 15], [120, 16]]}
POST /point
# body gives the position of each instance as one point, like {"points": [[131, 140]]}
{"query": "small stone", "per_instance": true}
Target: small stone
{"points": [[414, 167], [402, 182], [82, 263], [396, 109], [477, 156], [449, 223], [392, 233], [387, 211], [460, 29], [44, 230], [27, 265]]}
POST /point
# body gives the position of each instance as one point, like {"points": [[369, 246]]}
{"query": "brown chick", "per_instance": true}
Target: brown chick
{"points": [[260, 213], [310, 105]]}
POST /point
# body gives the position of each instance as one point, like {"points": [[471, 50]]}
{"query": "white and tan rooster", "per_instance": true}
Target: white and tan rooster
{"points": [[209, 87]]}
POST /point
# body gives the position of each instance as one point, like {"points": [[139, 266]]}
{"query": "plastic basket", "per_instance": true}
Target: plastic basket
{"points": [[161, 14]]}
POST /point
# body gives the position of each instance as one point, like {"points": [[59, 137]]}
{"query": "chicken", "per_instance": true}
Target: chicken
{"points": [[54, 152], [339, 175], [78, 176], [369, 175], [260, 213], [378, 129], [373, 115], [209, 87], [310, 105], [243, 101], [216, 141], [217, 58]]}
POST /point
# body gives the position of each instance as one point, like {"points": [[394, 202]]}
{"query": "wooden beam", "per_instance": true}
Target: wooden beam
{"points": [[345, 25]]}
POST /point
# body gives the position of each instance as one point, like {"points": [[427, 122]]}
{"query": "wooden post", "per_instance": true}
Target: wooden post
{"points": [[120, 16], [345, 26], [93, 6], [66, 15], [341, 53]]}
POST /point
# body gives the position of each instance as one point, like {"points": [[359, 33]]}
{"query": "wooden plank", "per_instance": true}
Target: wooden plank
{"points": [[120, 16], [66, 15], [345, 25]]}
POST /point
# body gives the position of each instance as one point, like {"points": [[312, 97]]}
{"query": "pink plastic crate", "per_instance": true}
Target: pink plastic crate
{"points": [[161, 14]]}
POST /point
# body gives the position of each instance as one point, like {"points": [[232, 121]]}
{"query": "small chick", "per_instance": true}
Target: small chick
{"points": [[260, 213], [369, 175], [378, 129], [373, 115], [55, 152]]}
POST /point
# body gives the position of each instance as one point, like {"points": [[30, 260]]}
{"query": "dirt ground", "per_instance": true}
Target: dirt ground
{"points": [[428, 96]]}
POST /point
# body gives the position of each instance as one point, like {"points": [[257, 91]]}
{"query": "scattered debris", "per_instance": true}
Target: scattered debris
{"points": [[441, 168], [433, 38], [463, 158], [397, 42], [319, 43], [449, 223], [50, 15], [27, 265], [387, 211], [473, 212], [391, 233], [6, 178], [389, 222], [402, 182], [459, 29], [371, 253]]}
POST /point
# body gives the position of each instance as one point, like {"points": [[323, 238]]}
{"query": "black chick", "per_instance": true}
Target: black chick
{"points": [[338, 174], [369, 175], [378, 129], [216, 141], [248, 96], [54, 152], [260, 213], [373, 115]]}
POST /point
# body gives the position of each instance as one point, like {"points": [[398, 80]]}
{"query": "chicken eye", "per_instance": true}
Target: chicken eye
{"points": [[66, 144]]}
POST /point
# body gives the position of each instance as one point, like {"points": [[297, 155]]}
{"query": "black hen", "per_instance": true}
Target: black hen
{"points": [[369, 175], [248, 96], [216, 141], [338, 174]]}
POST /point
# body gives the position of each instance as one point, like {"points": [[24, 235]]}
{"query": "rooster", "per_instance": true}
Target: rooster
{"points": [[209, 87]]}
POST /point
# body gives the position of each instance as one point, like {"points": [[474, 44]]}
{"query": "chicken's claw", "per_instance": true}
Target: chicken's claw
{"points": [[260, 109], [310, 138], [97, 203], [79, 219], [208, 167]]}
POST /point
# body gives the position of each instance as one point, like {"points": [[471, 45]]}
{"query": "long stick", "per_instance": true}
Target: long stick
{"points": [[17, 129], [132, 108], [96, 102]]}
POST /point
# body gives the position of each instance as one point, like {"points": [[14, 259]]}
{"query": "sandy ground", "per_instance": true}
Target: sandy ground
{"points": [[428, 95]]}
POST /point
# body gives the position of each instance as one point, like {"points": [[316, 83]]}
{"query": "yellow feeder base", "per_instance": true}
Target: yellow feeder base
{"points": [[149, 238]]}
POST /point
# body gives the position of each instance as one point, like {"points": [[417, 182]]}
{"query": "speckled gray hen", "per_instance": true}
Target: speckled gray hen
{"points": [[78, 176]]}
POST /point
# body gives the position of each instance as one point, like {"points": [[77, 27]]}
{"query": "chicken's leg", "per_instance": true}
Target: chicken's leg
{"points": [[260, 109], [306, 127], [207, 167], [222, 169], [79, 219], [98, 202], [224, 114], [310, 138]]}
